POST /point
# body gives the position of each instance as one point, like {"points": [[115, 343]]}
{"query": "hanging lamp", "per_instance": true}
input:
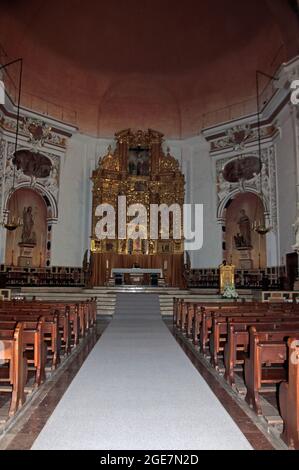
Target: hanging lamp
{"points": [[259, 226], [11, 223]]}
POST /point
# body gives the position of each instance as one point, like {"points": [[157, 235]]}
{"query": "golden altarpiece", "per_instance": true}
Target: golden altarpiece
{"points": [[141, 171]]}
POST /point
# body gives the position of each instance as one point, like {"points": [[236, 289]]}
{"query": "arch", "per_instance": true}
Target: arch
{"points": [[50, 200], [232, 195], [252, 254], [28, 247]]}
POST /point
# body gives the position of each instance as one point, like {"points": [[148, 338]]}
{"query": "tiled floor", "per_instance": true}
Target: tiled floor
{"points": [[24, 432]]}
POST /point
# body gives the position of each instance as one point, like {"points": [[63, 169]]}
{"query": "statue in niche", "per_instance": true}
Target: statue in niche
{"points": [[245, 228], [28, 235], [239, 241], [123, 246], [132, 168], [130, 246], [145, 168], [139, 168], [151, 247]]}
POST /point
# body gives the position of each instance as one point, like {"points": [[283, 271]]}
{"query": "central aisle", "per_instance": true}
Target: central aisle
{"points": [[138, 390]]}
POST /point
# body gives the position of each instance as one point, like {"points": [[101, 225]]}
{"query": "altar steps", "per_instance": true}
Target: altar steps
{"points": [[106, 296]]}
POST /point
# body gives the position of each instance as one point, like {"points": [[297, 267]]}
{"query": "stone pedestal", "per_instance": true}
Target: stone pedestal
{"points": [[26, 255], [245, 258]]}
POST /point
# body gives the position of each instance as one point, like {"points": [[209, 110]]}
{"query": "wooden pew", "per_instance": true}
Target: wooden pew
{"points": [[12, 351], [50, 329], [219, 333], [48, 311], [25, 330], [243, 310], [82, 314], [268, 348], [202, 323], [202, 319], [289, 396], [33, 338], [207, 321], [236, 348]]}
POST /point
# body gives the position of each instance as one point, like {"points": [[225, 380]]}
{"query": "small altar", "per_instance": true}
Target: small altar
{"points": [[136, 276]]}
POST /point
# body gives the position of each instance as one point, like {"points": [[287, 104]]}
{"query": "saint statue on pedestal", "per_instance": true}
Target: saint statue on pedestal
{"points": [[28, 236], [245, 228]]}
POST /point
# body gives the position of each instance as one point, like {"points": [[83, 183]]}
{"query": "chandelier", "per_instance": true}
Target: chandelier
{"points": [[260, 226]]}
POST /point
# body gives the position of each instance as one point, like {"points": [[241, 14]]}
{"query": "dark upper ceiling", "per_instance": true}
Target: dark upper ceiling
{"points": [[146, 63]]}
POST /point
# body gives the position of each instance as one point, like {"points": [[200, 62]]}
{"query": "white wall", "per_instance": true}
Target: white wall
{"points": [[70, 233], [200, 188], [203, 191], [286, 180]]}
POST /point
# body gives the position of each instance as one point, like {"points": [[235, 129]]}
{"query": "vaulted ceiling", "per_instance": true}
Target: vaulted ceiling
{"points": [[145, 63]]}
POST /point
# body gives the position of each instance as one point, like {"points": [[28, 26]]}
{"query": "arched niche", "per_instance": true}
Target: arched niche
{"points": [[254, 208], [19, 199]]}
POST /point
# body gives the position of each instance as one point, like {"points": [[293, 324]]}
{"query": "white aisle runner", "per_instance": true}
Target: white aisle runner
{"points": [[138, 390]]}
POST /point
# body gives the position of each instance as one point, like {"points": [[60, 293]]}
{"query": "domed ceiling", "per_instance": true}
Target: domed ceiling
{"points": [[158, 64]]}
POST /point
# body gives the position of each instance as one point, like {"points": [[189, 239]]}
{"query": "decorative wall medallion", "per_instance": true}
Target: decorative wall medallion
{"points": [[242, 168], [33, 164], [238, 136], [37, 130]]}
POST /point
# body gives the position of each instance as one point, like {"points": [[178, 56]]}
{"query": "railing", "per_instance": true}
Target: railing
{"points": [[32, 101], [226, 114], [247, 107], [35, 277], [268, 278]]}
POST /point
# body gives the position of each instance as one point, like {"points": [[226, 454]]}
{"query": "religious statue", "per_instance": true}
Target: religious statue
{"points": [[227, 276], [137, 245], [245, 228], [28, 236], [123, 246], [151, 247], [132, 168], [239, 241]]}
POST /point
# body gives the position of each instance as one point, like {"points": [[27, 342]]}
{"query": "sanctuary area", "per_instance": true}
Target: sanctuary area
{"points": [[149, 225]]}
